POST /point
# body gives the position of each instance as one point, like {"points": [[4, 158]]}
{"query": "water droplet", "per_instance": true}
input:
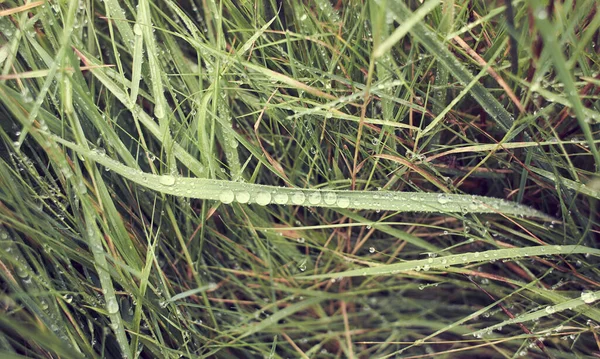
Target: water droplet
{"points": [[137, 29], [443, 199], [550, 309], [314, 198], [588, 297], [159, 111], [226, 196], [263, 198], [167, 180], [371, 249], [242, 197], [343, 202], [330, 198], [541, 14], [281, 198], [112, 307], [298, 198], [68, 298]]}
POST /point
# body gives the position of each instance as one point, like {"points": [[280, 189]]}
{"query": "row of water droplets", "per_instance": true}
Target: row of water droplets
{"points": [[299, 198], [389, 200]]}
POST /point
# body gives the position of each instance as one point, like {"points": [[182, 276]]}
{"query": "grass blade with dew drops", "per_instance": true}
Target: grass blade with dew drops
{"points": [[444, 262], [586, 298], [228, 192]]}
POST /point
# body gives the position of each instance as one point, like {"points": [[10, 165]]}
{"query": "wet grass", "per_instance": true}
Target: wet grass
{"points": [[299, 179]]}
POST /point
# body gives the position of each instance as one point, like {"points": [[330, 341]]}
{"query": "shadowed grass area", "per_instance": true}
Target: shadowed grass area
{"points": [[286, 178]]}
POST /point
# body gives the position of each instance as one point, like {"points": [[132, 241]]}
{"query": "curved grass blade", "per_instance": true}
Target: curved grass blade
{"points": [[576, 186], [570, 304], [405, 27], [229, 192], [444, 262]]}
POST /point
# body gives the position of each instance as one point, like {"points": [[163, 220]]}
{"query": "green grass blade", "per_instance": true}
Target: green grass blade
{"points": [[444, 262], [586, 298], [229, 192], [405, 27]]}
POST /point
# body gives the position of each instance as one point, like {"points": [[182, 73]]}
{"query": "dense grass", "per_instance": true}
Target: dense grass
{"points": [[315, 179]]}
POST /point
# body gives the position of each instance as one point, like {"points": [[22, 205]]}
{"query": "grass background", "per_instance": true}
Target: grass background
{"points": [[282, 179]]}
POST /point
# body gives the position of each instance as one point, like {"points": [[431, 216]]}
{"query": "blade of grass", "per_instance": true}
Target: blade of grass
{"points": [[444, 262], [229, 192]]}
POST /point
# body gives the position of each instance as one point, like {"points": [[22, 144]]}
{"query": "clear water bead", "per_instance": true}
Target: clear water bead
{"points": [[167, 180], [226, 196], [243, 197], [588, 297], [298, 198], [263, 198]]}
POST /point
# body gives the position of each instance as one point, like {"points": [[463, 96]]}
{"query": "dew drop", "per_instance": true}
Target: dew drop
{"points": [[137, 29], [226, 196], [263, 198], [330, 198], [112, 307], [167, 180], [281, 198], [588, 297], [159, 111], [242, 197], [371, 249], [343, 202], [443, 199], [314, 198], [298, 198]]}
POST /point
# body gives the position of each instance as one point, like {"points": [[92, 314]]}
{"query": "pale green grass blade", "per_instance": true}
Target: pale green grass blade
{"points": [[405, 27], [229, 192], [579, 187], [280, 314], [444, 262], [136, 73], [112, 304], [161, 110], [191, 292], [58, 60], [586, 298], [115, 12]]}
